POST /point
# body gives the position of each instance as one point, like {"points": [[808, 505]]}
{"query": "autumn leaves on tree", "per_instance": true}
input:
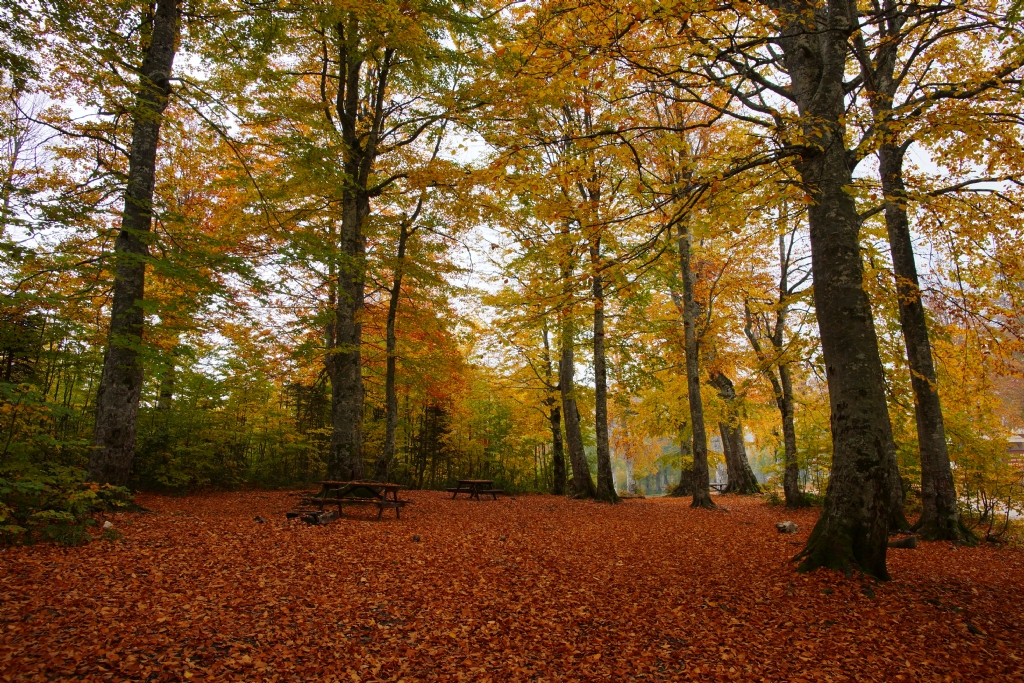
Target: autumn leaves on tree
{"points": [[546, 243]]}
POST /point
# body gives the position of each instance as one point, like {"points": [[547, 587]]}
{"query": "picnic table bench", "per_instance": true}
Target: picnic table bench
{"points": [[474, 487], [341, 493]]}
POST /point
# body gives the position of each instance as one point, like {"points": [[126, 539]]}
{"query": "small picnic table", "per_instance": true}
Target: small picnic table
{"points": [[474, 487], [718, 486], [378, 493]]}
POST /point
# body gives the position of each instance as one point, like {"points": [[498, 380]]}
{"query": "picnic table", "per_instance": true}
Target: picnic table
{"points": [[474, 487], [341, 493], [720, 487]]}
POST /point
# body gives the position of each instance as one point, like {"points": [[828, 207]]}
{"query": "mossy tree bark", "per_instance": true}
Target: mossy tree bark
{"points": [[605, 477], [120, 388], [555, 420], [582, 483], [361, 112], [852, 530], [701, 480], [940, 517], [741, 477]]}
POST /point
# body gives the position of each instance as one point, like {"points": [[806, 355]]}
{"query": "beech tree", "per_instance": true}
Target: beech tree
{"points": [[120, 386]]}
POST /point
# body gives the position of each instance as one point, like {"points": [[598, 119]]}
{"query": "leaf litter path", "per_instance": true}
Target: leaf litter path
{"points": [[537, 588]]}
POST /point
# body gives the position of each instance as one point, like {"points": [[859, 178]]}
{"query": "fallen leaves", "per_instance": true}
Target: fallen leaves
{"points": [[536, 588]]}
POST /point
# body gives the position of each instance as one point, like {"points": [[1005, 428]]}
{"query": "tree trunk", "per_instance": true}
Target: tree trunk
{"points": [[791, 478], [605, 478], [701, 488], [940, 518], [555, 420], [344, 362], [583, 484], [630, 480], [685, 485], [852, 531], [782, 384], [741, 477], [557, 451], [117, 401], [390, 344]]}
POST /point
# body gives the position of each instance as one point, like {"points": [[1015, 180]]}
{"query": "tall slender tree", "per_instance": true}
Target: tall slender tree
{"points": [[120, 387]]}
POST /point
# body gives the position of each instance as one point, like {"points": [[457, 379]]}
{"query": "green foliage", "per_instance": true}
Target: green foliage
{"points": [[53, 503]]}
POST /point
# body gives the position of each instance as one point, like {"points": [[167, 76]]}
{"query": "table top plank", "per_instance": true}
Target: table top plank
{"points": [[378, 484]]}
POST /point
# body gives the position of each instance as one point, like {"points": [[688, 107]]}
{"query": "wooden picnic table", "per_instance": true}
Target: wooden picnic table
{"points": [[474, 487], [378, 493], [720, 487]]}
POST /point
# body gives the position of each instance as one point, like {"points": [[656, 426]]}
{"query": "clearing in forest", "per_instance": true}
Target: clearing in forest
{"points": [[536, 588]]}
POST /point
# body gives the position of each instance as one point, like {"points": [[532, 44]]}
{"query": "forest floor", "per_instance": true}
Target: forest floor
{"points": [[535, 588]]}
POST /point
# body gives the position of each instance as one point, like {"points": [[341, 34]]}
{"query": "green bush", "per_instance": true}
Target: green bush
{"points": [[53, 503]]}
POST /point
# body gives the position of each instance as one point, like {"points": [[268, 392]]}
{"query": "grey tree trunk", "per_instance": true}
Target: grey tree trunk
{"points": [[791, 477], [361, 111], [685, 485], [117, 401], [605, 478], [940, 517], [390, 344], [555, 420], [741, 477], [782, 384], [582, 483], [852, 530], [344, 360], [701, 480]]}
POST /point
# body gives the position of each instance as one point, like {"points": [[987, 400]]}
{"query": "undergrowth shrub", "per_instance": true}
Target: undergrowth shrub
{"points": [[53, 503]]}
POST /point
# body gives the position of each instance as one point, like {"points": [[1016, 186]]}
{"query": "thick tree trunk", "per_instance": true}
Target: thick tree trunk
{"points": [[940, 518], [605, 478], [741, 477], [701, 481], [117, 401], [582, 483], [344, 361], [852, 530]]}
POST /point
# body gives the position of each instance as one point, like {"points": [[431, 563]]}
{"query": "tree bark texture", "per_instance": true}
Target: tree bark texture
{"points": [[791, 477], [582, 483], [852, 530], [741, 477], [555, 420], [344, 360], [361, 110], [940, 517], [117, 401], [605, 478], [557, 451], [701, 480], [391, 368]]}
